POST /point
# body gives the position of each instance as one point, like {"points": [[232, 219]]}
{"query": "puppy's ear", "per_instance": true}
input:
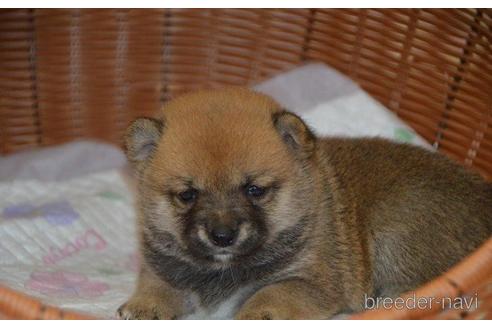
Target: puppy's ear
{"points": [[295, 133], [141, 139]]}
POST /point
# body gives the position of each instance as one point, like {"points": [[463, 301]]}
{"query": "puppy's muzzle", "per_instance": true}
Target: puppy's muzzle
{"points": [[223, 235]]}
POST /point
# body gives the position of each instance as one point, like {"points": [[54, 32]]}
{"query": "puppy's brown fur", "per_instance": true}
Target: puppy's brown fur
{"points": [[339, 218]]}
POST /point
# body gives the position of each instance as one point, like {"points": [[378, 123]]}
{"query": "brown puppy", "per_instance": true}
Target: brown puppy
{"points": [[244, 212]]}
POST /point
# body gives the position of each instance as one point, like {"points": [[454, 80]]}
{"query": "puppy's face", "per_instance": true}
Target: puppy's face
{"points": [[222, 176]]}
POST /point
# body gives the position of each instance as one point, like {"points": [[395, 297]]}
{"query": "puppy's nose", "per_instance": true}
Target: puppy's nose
{"points": [[223, 235]]}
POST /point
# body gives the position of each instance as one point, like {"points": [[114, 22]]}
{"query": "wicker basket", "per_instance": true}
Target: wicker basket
{"points": [[67, 74]]}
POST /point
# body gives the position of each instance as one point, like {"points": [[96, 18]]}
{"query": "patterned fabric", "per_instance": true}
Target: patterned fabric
{"points": [[71, 244]]}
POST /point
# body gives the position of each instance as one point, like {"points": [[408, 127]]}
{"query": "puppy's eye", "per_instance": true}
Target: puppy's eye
{"points": [[255, 191], [188, 196]]}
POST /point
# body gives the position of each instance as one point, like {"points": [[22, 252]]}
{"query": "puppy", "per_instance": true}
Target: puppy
{"points": [[244, 213]]}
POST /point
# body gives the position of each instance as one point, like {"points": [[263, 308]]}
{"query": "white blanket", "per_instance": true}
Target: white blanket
{"points": [[70, 243]]}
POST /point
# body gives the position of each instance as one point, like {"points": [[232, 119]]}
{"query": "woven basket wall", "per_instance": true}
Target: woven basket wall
{"points": [[67, 74]]}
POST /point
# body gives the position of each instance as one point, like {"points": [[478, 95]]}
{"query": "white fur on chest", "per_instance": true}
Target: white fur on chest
{"points": [[226, 309]]}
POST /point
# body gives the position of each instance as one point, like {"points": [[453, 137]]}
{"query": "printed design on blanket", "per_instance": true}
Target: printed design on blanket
{"points": [[89, 240], [404, 135], [65, 284], [55, 213]]}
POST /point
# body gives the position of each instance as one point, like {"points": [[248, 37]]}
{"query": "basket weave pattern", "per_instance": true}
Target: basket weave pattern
{"points": [[67, 74], [86, 73]]}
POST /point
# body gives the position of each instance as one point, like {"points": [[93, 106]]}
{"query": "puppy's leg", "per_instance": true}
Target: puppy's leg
{"points": [[153, 299], [292, 299]]}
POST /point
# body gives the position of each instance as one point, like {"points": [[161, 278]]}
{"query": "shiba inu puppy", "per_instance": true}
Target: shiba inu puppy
{"points": [[243, 212]]}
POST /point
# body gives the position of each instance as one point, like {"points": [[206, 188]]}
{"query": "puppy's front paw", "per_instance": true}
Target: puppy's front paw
{"points": [[140, 309]]}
